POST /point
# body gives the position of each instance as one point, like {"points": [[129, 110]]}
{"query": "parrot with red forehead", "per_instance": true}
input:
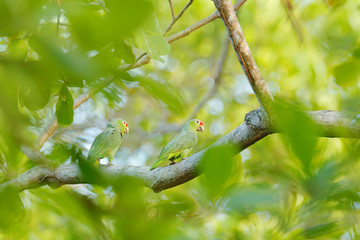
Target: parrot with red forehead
{"points": [[181, 146], [108, 142]]}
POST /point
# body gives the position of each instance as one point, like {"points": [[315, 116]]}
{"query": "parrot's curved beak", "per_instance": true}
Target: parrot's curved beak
{"points": [[126, 130], [200, 128]]}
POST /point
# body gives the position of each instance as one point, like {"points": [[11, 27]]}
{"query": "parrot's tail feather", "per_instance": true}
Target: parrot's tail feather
{"points": [[158, 163], [97, 163]]}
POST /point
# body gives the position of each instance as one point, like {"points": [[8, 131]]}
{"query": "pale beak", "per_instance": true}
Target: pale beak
{"points": [[200, 128], [126, 130]]}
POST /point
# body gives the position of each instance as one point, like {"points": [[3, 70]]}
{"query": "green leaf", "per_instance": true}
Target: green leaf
{"points": [[34, 81], [19, 15], [124, 51], [299, 129], [18, 49], [125, 16], [217, 164], [150, 39], [164, 92], [348, 73], [91, 173], [64, 107], [73, 65], [253, 199], [11, 207], [321, 230]]}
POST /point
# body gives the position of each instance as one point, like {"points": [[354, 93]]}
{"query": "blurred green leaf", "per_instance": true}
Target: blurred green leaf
{"points": [[164, 92], [95, 26], [12, 209], [91, 173], [125, 16], [356, 53], [252, 199], [107, 62], [124, 51], [73, 65], [18, 49], [65, 107], [347, 74], [19, 15], [151, 40], [217, 164], [320, 230], [34, 79], [299, 129]]}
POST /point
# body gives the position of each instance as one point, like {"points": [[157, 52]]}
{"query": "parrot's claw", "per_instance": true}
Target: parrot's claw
{"points": [[172, 163], [183, 158], [110, 163]]}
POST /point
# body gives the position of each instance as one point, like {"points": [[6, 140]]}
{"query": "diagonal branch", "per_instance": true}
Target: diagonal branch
{"points": [[242, 50], [178, 16], [172, 9], [199, 24]]}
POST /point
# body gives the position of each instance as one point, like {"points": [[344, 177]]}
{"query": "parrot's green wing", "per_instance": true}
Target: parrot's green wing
{"points": [[104, 145], [176, 147]]}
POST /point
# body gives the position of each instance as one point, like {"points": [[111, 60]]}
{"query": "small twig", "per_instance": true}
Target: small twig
{"points": [[172, 9], [216, 76], [58, 23], [178, 16], [294, 22], [199, 24]]}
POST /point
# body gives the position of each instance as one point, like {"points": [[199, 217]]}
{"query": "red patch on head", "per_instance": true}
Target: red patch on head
{"points": [[127, 125], [201, 123]]}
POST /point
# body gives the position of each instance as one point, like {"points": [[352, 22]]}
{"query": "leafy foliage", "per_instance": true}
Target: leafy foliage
{"points": [[286, 186]]}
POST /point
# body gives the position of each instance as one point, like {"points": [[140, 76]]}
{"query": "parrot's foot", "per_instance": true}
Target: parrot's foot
{"points": [[183, 158], [172, 163], [110, 163]]}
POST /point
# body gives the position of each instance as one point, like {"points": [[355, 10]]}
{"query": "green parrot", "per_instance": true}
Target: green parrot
{"points": [[108, 142], [181, 146]]}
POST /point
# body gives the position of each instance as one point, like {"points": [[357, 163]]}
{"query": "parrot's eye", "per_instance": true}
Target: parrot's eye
{"points": [[197, 121], [124, 122]]}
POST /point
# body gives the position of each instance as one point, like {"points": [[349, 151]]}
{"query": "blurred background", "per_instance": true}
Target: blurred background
{"points": [[283, 187]]}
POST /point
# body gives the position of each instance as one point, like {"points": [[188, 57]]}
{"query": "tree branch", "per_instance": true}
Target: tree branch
{"points": [[171, 9], [178, 16], [242, 50], [250, 131], [199, 24], [336, 124], [255, 127]]}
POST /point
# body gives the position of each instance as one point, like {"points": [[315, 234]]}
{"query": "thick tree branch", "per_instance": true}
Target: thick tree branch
{"points": [[336, 124], [255, 127], [252, 130], [242, 50]]}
